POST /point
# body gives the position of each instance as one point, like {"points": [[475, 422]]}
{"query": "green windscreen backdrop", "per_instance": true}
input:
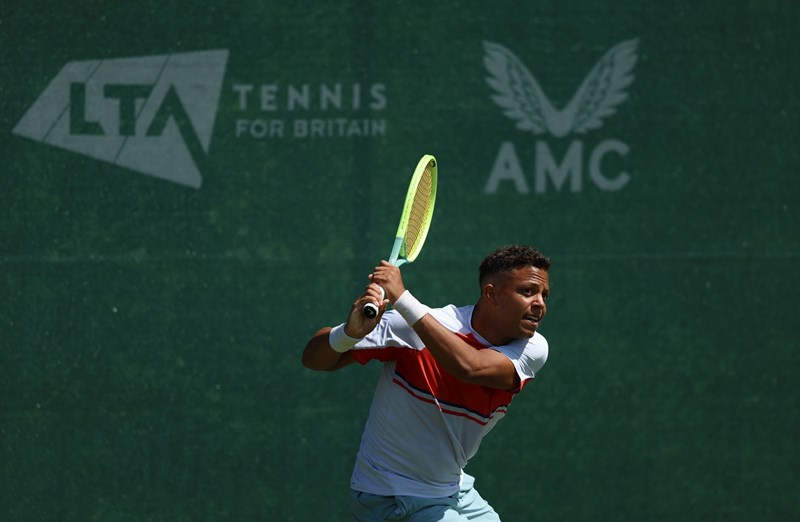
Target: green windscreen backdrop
{"points": [[189, 190]]}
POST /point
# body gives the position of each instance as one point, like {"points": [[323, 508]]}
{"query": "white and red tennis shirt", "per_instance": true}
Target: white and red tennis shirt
{"points": [[424, 424]]}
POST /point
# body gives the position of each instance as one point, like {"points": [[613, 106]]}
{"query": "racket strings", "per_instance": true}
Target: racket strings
{"points": [[420, 210]]}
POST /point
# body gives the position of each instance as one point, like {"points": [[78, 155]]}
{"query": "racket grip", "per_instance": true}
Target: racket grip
{"points": [[370, 310]]}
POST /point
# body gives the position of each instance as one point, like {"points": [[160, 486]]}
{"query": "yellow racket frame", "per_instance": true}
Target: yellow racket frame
{"points": [[415, 220]]}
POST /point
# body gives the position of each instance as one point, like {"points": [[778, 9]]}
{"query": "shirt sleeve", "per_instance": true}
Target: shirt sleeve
{"points": [[528, 356], [391, 333]]}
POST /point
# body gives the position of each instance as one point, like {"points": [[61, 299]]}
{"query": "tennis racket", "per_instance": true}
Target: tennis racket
{"points": [[415, 219]]}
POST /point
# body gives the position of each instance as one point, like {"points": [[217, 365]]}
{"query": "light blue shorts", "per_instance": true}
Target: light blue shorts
{"points": [[467, 504]]}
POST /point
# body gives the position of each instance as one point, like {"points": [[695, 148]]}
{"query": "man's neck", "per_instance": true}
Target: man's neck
{"points": [[483, 326]]}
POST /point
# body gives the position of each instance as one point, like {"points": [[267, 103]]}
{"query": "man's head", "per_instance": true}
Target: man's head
{"points": [[515, 285], [507, 258]]}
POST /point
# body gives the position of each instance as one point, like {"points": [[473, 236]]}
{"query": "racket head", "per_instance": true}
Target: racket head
{"points": [[415, 220]]}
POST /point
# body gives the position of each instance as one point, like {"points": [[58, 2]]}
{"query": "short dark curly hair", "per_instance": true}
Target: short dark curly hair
{"points": [[510, 257]]}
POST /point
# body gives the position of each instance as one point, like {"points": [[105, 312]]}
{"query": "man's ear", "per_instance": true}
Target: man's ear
{"points": [[489, 293]]}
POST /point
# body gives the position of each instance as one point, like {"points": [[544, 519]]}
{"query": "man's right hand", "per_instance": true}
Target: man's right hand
{"points": [[358, 325]]}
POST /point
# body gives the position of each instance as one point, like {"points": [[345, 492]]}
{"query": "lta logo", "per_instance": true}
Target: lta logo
{"points": [[153, 114], [523, 100]]}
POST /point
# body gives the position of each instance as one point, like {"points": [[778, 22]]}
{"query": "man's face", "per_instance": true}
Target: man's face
{"points": [[520, 300]]}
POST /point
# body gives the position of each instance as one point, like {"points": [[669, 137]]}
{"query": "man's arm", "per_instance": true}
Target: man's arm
{"points": [[465, 362], [320, 355]]}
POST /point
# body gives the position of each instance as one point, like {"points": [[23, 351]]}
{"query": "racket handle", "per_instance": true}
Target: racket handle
{"points": [[370, 310]]}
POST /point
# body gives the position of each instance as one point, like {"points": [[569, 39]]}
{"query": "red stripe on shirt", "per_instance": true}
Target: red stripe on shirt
{"points": [[421, 371]]}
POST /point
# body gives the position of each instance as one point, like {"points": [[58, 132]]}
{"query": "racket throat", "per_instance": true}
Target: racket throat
{"points": [[395, 258]]}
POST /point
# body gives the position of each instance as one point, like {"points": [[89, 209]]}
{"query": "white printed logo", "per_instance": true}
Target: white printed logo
{"points": [[154, 114], [279, 110], [522, 99]]}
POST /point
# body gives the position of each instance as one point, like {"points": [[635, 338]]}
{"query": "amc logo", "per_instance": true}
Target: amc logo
{"points": [[522, 99]]}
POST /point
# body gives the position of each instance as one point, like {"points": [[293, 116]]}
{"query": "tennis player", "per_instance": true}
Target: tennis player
{"points": [[449, 375]]}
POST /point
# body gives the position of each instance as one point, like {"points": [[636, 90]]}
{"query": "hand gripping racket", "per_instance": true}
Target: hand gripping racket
{"points": [[415, 220]]}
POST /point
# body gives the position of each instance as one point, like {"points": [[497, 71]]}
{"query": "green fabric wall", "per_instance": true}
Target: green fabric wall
{"points": [[165, 257]]}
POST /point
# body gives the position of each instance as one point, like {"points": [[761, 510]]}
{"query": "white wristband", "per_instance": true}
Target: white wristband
{"points": [[410, 309], [339, 340]]}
